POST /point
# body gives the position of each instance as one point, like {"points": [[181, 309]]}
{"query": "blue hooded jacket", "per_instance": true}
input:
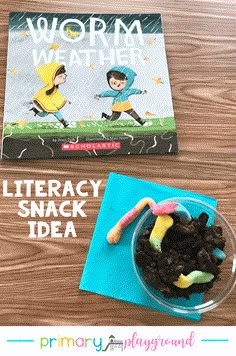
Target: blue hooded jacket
{"points": [[120, 101]]}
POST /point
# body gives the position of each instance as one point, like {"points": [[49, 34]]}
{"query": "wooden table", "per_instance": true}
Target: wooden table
{"points": [[39, 277]]}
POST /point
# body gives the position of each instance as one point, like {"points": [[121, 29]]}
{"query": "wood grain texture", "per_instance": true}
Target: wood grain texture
{"points": [[39, 278]]}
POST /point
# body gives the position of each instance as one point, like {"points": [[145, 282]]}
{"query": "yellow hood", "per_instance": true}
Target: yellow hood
{"points": [[47, 72]]}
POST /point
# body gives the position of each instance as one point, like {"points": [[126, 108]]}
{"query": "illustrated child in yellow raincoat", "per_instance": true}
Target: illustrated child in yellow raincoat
{"points": [[49, 100]]}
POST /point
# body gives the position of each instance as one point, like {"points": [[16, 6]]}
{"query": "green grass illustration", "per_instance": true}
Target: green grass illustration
{"points": [[88, 128]]}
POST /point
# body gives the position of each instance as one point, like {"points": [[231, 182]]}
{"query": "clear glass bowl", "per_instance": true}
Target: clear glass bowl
{"points": [[222, 287]]}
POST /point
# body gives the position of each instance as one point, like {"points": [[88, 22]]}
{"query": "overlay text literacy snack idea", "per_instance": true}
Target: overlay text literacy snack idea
{"points": [[48, 208]]}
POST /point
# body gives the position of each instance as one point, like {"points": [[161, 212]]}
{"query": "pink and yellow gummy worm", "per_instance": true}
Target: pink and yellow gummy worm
{"points": [[114, 234]]}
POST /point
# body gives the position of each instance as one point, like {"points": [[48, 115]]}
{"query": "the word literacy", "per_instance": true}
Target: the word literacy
{"points": [[50, 188]]}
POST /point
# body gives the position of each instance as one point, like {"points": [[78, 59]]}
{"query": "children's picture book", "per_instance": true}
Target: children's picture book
{"points": [[81, 85]]}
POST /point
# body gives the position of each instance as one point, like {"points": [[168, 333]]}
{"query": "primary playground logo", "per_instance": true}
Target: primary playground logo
{"points": [[112, 344]]}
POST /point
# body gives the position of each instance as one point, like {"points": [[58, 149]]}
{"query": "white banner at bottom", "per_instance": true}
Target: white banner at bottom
{"points": [[91, 340]]}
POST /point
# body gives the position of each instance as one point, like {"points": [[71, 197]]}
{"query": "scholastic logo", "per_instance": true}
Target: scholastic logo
{"points": [[89, 146]]}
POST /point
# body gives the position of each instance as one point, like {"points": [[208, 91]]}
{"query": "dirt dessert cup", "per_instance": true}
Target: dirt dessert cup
{"points": [[189, 266]]}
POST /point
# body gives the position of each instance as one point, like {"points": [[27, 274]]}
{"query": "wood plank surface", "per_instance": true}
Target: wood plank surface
{"points": [[39, 277]]}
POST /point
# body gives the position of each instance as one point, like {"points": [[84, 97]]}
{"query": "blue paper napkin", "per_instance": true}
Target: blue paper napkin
{"points": [[108, 269]]}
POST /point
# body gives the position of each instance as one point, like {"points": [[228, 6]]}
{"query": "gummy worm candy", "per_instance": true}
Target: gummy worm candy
{"points": [[114, 234], [193, 277], [162, 224], [219, 253]]}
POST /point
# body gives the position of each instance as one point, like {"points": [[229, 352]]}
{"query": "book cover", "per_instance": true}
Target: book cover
{"points": [[81, 85]]}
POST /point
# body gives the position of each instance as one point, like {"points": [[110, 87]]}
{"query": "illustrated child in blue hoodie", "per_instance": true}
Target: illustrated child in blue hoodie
{"points": [[120, 79]]}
